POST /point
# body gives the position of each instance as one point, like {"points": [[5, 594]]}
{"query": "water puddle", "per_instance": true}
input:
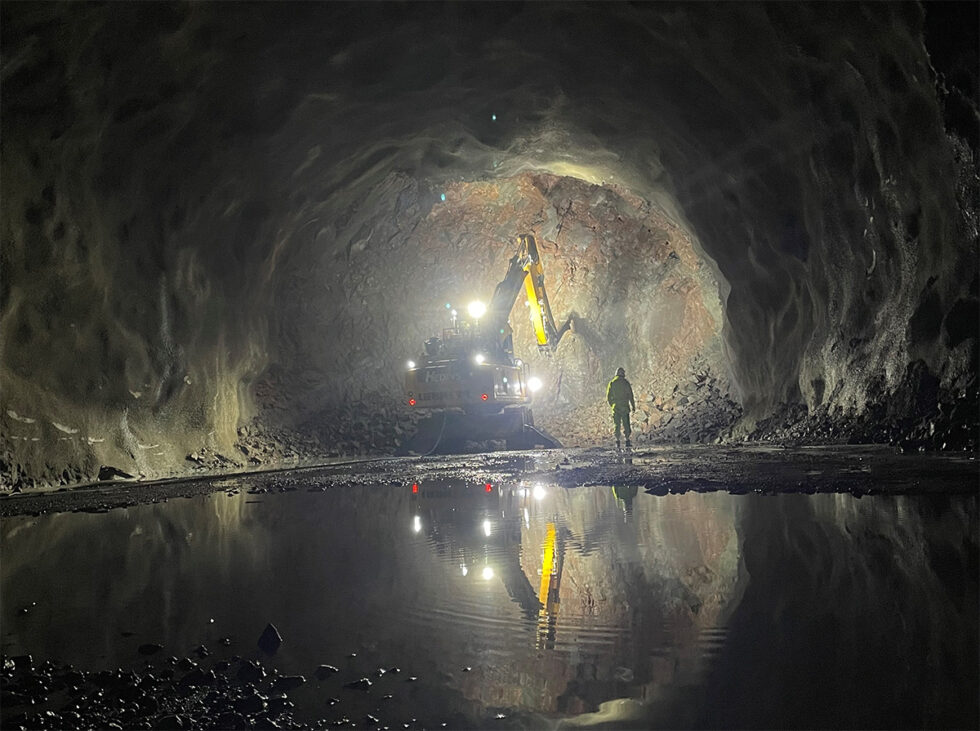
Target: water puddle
{"points": [[527, 604]]}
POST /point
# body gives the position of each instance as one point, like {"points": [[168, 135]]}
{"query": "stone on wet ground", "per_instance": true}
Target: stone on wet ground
{"points": [[49, 696], [270, 640]]}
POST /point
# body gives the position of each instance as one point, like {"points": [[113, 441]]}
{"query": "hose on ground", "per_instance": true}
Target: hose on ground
{"points": [[438, 438]]}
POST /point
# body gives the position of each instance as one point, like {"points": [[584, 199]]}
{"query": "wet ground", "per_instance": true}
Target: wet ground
{"points": [[676, 587]]}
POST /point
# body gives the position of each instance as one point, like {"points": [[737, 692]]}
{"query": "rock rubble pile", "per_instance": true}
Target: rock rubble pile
{"points": [[919, 416]]}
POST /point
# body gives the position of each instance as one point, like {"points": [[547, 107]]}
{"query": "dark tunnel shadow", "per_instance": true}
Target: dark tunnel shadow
{"points": [[856, 614]]}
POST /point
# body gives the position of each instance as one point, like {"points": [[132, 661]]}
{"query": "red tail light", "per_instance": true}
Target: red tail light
{"points": [[484, 397], [415, 487], [489, 487], [411, 402]]}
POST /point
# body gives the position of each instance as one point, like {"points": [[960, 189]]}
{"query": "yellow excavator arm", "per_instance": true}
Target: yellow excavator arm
{"points": [[526, 268], [537, 297]]}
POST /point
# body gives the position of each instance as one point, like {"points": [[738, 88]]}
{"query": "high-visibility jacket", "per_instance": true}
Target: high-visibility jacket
{"points": [[619, 394]]}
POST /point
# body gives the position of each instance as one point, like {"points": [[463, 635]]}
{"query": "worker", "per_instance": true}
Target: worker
{"points": [[619, 395]]}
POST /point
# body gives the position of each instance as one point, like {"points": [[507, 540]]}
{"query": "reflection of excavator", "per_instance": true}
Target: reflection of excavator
{"points": [[478, 528], [552, 563], [470, 374]]}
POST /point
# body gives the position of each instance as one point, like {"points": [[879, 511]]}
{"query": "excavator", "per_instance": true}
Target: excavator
{"points": [[469, 379]]}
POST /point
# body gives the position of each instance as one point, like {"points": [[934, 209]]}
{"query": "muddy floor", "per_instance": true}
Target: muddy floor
{"points": [[657, 470], [692, 587]]}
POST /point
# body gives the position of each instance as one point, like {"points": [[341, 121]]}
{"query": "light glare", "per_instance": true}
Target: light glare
{"points": [[476, 309], [534, 384]]}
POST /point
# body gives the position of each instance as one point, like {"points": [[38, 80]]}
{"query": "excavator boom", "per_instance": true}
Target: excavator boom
{"points": [[525, 269], [541, 318]]}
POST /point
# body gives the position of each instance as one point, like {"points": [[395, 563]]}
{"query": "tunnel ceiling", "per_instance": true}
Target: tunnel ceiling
{"points": [[218, 211]]}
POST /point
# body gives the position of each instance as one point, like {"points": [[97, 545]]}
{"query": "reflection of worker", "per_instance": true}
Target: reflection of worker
{"points": [[626, 493], [619, 395]]}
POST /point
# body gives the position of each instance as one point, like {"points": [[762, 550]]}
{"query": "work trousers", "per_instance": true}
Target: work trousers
{"points": [[621, 418]]}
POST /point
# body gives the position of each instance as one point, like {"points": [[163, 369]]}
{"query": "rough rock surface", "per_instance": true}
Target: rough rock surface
{"points": [[219, 212]]}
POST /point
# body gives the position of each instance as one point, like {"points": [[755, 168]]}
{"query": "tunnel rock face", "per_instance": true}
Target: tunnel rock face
{"points": [[217, 211], [638, 294]]}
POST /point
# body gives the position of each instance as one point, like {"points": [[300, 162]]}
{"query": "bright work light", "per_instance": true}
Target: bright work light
{"points": [[476, 309]]}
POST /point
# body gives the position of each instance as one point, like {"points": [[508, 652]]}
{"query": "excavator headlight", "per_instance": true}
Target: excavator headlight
{"points": [[534, 384], [479, 358], [476, 309], [411, 364]]}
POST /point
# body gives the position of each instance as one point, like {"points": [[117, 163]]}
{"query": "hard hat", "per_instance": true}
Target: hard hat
{"points": [[621, 372]]}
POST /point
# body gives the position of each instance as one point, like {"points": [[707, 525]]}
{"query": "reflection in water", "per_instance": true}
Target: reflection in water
{"points": [[700, 609], [858, 612], [626, 494]]}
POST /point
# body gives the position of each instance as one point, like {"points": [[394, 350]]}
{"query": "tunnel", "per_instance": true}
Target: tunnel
{"points": [[227, 226]]}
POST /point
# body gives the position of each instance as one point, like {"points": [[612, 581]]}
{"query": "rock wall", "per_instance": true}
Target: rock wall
{"points": [[207, 209], [638, 293]]}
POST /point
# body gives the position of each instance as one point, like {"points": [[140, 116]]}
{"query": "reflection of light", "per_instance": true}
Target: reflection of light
{"points": [[527, 517], [462, 567], [476, 309], [416, 524], [487, 573], [486, 527], [518, 362], [523, 492], [539, 492]]}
